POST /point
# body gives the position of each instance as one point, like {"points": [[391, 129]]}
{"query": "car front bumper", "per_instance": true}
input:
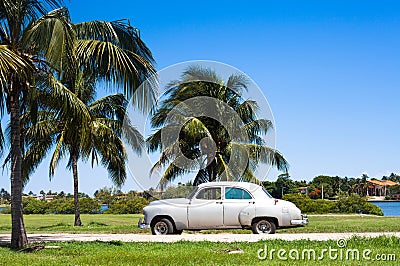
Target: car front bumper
{"points": [[302, 221]]}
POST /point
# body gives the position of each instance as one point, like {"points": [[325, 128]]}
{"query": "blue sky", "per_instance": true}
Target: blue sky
{"points": [[329, 69]]}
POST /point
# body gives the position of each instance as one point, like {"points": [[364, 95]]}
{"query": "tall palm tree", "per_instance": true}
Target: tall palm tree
{"points": [[99, 138], [22, 57], [110, 53], [205, 137], [39, 46]]}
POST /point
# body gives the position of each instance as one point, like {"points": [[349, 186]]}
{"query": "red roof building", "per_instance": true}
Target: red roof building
{"points": [[380, 187]]}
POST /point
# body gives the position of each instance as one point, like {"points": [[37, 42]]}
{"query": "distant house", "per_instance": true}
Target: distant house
{"points": [[380, 187], [32, 197], [49, 197], [303, 190]]}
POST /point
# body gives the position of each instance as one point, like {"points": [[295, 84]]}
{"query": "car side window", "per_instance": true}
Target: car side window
{"points": [[212, 193], [236, 193]]}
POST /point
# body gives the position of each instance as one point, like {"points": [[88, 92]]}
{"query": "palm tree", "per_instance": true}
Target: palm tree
{"points": [[22, 57], [215, 144], [364, 185], [99, 138], [45, 48], [107, 52]]}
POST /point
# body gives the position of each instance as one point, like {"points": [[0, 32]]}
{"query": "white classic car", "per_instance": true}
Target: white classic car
{"points": [[222, 205]]}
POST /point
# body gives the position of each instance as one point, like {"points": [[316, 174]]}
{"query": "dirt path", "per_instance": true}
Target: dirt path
{"points": [[5, 238]]}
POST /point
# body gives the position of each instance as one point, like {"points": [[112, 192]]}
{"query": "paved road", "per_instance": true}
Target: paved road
{"points": [[5, 238]]}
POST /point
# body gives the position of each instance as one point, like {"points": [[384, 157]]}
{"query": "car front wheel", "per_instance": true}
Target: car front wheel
{"points": [[162, 226], [263, 226]]}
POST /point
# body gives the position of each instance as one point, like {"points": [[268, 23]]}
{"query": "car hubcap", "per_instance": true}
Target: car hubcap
{"points": [[161, 228], [264, 228]]}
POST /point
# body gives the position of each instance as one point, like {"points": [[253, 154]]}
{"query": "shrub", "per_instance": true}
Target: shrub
{"points": [[61, 206], [357, 204], [181, 191], [345, 204], [34, 206], [66, 206], [6, 210], [88, 205], [126, 206], [307, 205]]}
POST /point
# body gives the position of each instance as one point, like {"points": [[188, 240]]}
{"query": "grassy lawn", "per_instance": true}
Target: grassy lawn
{"points": [[106, 223], [205, 253], [348, 223], [93, 223], [197, 253]]}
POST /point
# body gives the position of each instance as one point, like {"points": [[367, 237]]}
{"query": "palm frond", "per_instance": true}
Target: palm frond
{"points": [[237, 83], [196, 129], [199, 73], [58, 154], [111, 151], [109, 106], [170, 174], [11, 62], [256, 127], [264, 154], [247, 110], [2, 141], [249, 176], [67, 101], [201, 177], [119, 32], [53, 36], [119, 67], [133, 137], [37, 151]]}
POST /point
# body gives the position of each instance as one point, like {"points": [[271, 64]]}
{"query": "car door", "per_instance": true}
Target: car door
{"points": [[205, 210], [235, 200]]}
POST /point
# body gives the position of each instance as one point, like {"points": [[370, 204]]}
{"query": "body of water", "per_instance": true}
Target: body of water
{"points": [[389, 208]]}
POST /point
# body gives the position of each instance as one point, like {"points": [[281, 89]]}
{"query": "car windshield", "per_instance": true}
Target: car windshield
{"points": [[266, 192], [192, 193]]}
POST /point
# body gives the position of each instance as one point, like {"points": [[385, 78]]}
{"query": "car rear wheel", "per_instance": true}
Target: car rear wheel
{"points": [[162, 226], [263, 226]]}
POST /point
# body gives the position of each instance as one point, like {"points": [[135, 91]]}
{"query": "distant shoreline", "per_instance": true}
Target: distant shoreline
{"points": [[383, 200]]}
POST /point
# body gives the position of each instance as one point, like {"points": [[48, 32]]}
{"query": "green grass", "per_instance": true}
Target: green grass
{"points": [[193, 253], [198, 253], [107, 223], [92, 223], [348, 223]]}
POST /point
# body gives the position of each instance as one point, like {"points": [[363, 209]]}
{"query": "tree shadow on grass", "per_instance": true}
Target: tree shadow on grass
{"points": [[53, 226]]}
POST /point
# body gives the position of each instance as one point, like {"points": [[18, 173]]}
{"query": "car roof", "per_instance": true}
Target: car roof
{"points": [[247, 185]]}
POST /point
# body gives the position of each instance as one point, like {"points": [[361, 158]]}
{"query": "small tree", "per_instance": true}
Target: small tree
{"points": [[105, 195], [4, 196]]}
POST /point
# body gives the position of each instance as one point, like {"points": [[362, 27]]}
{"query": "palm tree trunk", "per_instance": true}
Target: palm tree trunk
{"points": [[18, 233], [212, 175], [78, 221]]}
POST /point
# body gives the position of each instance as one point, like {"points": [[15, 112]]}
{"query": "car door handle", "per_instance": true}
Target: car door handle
{"points": [[219, 202], [252, 202]]}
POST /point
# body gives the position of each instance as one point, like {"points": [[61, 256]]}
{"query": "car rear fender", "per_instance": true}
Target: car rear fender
{"points": [[246, 215]]}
